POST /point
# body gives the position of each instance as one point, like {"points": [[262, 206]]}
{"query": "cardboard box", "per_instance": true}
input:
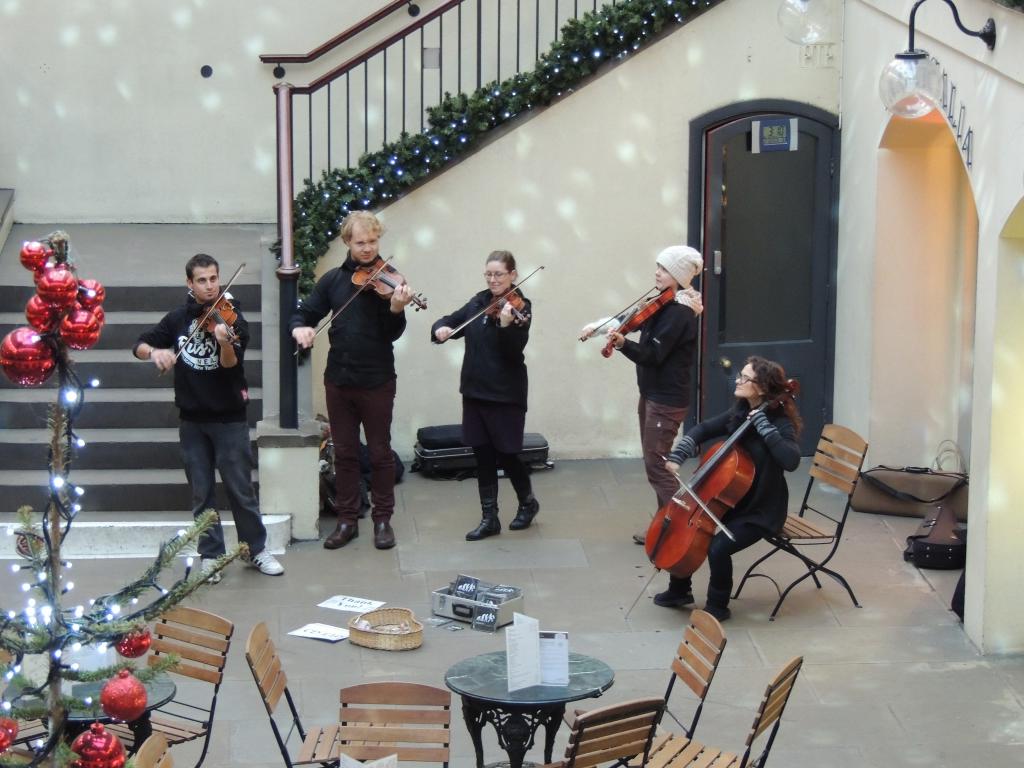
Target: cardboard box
{"points": [[491, 606]]}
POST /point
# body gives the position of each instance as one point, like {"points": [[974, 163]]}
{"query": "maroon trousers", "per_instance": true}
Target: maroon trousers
{"points": [[659, 425], [347, 409]]}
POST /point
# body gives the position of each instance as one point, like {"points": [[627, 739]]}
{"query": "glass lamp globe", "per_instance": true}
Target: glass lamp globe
{"points": [[805, 21], [911, 84]]}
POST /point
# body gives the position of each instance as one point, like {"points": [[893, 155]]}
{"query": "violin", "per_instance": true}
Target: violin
{"points": [[221, 311], [513, 299], [678, 538], [383, 279], [639, 315]]}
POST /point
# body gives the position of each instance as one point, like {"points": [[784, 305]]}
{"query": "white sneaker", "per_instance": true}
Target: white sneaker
{"points": [[266, 563], [207, 565]]}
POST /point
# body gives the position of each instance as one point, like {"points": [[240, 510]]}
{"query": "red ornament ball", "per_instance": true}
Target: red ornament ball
{"points": [[135, 643], [96, 748], [58, 286], [8, 731], [123, 697], [26, 358], [80, 328], [91, 293], [34, 255], [40, 315]]}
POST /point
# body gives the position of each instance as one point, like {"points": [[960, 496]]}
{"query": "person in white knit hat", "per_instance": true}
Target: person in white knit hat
{"points": [[664, 356]]}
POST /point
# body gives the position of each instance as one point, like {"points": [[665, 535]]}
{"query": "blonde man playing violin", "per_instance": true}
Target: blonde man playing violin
{"points": [[360, 378], [664, 356], [211, 394]]}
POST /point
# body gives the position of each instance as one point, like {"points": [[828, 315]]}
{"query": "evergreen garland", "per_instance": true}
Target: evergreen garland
{"points": [[459, 121]]}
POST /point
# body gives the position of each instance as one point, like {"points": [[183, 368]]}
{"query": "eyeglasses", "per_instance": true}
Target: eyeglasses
{"points": [[744, 379], [494, 275]]}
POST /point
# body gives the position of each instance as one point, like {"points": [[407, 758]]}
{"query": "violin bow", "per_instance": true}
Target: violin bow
{"points": [[209, 312], [342, 308], [494, 303], [621, 312]]}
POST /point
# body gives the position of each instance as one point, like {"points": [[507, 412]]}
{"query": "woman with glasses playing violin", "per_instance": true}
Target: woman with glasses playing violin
{"points": [[495, 324], [664, 356], [773, 449]]}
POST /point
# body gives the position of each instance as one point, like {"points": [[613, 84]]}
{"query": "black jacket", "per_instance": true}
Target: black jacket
{"points": [[203, 389], [664, 355], [493, 367], [362, 337], [766, 502]]}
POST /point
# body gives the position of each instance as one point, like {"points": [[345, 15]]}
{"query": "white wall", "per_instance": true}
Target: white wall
{"points": [[592, 188]]}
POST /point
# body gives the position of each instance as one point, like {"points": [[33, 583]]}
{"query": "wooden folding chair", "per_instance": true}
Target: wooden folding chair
{"points": [[614, 735], [201, 641], [388, 718], [682, 752], [154, 753], [837, 462], [319, 745]]}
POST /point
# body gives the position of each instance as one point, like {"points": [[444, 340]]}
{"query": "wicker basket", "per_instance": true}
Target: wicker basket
{"points": [[382, 640]]}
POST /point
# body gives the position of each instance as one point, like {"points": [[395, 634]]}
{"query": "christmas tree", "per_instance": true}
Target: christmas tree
{"points": [[39, 640]]}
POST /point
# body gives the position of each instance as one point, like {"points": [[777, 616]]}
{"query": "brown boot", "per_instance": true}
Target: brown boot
{"points": [[341, 535]]}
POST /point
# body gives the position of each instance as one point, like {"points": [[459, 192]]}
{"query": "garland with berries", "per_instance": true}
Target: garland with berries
{"points": [[458, 123]]}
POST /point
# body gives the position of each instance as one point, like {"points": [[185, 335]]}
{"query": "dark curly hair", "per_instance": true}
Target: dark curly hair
{"points": [[771, 380]]}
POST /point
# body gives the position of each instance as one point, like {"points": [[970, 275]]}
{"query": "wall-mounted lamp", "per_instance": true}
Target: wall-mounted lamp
{"points": [[911, 84], [805, 22]]}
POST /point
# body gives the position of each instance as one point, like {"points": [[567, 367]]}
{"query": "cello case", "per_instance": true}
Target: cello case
{"points": [[939, 542]]}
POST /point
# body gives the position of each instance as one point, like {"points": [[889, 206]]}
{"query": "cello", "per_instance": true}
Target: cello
{"points": [[680, 533]]}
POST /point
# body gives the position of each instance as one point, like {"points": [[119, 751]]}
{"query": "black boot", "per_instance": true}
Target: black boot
{"points": [[678, 595], [528, 509], [489, 523], [718, 603]]}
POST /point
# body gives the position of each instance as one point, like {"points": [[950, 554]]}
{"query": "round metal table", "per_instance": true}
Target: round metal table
{"points": [[482, 682]]}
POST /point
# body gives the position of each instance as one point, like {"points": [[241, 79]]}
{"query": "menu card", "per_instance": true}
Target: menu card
{"points": [[535, 657]]}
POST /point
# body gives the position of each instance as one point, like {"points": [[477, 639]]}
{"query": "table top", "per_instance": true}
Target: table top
{"points": [[159, 691], [485, 677]]}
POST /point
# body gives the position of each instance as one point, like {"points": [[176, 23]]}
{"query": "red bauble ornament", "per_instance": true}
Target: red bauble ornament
{"points": [[26, 359], [91, 293], [40, 315], [34, 255], [96, 748], [135, 643], [123, 697], [58, 286], [80, 328], [8, 730]]}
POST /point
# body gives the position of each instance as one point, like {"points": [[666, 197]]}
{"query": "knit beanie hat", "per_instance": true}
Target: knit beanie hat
{"points": [[682, 262]]}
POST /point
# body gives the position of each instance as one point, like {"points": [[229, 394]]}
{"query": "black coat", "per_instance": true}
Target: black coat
{"points": [[362, 337], [493, 367], [766, 503], [203, 389], [664, 355]]}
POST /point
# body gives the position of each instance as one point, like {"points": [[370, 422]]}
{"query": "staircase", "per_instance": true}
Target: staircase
{"points": [[131, 466]]}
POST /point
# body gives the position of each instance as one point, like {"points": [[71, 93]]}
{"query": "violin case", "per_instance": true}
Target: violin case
{"points": [[439, 451]]}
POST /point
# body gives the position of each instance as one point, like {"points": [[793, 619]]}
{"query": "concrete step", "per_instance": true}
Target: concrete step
{"points": [[105, 408], [108, 490], [137, 534], [104, 449], [129, 298], [121, 368], [122, 329]]}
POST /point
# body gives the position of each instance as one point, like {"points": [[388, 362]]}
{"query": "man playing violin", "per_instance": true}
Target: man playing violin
{"points": [[664, 356], [212, 395], [761, 396], [360, 378]]}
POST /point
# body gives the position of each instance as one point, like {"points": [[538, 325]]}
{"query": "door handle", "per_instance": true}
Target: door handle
{"points": [[717, 262], [726, 363]]}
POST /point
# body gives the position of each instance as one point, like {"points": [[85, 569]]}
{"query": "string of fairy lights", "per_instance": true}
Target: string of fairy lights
{"points": [[611, 33]]}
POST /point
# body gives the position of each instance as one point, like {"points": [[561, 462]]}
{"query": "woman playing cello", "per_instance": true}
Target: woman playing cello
{"points": [[493, 387], [761, 512]]}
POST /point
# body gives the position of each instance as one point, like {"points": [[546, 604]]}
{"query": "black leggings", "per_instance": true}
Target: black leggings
{"points": [[720, 554], [487, 461]]}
